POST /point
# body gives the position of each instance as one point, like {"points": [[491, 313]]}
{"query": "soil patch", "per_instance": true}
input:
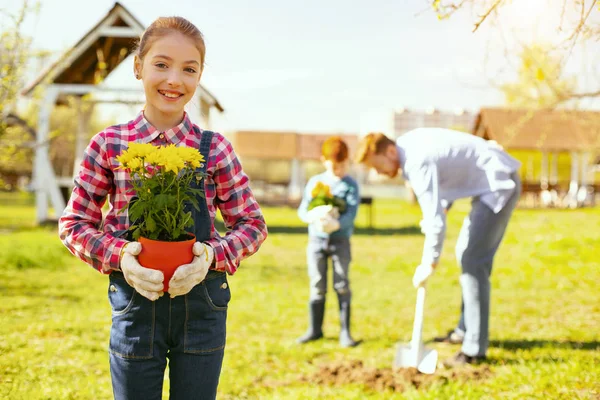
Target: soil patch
{"points": [[397, 380]]}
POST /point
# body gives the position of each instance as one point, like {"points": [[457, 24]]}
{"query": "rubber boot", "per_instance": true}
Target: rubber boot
{"points": [[345, 337], [316, 311]]}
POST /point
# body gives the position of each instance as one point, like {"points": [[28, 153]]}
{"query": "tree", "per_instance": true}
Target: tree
{"points": [[14, 53], [15, 151], [540, 82], [579, 23], [17, 137]]}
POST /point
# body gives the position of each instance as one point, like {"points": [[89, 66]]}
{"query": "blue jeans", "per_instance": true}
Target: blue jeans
{"points": [[478, 241], [188, 330], [318, 253]]}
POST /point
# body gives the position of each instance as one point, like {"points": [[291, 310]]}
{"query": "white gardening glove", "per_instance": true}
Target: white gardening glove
{"points": [[422, 273], [422, 226], [318, 212], [334, 213], [147, 282], [327, 224], [189, 275]]}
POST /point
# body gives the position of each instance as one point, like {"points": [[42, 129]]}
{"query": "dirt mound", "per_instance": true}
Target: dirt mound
{"points": [[397, 380]]}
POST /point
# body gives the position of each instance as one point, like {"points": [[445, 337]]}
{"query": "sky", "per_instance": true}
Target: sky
{"points": [[327, 66]]}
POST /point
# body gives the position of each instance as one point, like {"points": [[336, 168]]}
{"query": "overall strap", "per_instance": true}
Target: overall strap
{"points": [[205, 142], [202, 221]]}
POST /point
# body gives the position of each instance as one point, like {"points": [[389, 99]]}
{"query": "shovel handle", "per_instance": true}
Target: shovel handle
{"points": [[418, 323]]}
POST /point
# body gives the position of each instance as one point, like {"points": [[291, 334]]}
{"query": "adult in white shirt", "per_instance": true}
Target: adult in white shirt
{"points": [[442, 166]]}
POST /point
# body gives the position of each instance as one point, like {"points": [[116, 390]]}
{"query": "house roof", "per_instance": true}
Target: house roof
{"points": [[99, 52], [546, 130], [283, 145]]}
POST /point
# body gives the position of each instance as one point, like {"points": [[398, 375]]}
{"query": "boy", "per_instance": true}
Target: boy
{"points": [[329, 234]]}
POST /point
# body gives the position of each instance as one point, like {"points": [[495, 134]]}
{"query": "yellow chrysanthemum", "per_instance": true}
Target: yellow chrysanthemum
{"points": [[170, 157], [315, 191], [321, 189], [154, 159], [134, 164], [123, 159], [140, 149], [191, 156]]}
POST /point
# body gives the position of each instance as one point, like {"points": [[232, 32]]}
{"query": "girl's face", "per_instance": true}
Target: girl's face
{"points": [[336, 168], [170, 72]]}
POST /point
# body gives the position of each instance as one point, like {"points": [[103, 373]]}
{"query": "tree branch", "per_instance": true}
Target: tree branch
{"points": [[584, 95], [582, 19], [488, 12], [562, 15]]}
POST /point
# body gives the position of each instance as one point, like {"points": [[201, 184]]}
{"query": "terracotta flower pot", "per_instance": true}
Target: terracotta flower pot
{"points": [[166, 256]]}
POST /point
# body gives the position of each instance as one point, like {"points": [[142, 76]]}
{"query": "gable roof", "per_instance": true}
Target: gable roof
{"points": [[284, 145], [548, 130], [99, 52]]}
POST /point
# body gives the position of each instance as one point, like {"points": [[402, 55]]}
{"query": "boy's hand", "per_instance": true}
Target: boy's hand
{"points": [[328, 224], [318, 213]]}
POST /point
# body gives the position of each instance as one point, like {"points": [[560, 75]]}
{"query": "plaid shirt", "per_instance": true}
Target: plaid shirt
{"points": [[89, 237]]}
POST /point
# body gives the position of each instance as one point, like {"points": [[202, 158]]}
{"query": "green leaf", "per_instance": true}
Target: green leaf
{"points": [[136, 233], [176, 233], [194, 203], [161, 200], [150, 224], [137, 210]]}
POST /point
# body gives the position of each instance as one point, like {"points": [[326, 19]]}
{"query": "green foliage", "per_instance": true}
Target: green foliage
{"points": [[321, 196], [540, 81], [162, 180], [23, 245], [37, 248], [14, 53], [159, 207], [322, 200]]}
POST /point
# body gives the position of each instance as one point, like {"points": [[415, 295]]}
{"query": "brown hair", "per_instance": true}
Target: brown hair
{"points": [[334, 149], [372, 143], [164, 25]]}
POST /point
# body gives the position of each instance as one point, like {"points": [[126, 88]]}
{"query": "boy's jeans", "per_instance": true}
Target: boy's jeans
{"points": [[318, 253]]}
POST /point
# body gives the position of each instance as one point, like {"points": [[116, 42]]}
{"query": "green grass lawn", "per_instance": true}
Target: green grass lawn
{"points": [[545, 325]]}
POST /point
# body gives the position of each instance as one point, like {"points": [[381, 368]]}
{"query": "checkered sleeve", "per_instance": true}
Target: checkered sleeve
{"points": [[79, 225], [246, 227]]}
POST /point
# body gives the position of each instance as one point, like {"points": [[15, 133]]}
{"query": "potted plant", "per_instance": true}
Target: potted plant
{"points": [[323, 202], [162, 180]]}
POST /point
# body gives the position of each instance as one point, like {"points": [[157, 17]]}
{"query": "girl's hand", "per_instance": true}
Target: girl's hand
{"points": [[147, 282], [189, 275]]}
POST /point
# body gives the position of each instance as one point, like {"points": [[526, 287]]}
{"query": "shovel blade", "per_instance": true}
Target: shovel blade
{"points": [[428, 362], [423, 359]]}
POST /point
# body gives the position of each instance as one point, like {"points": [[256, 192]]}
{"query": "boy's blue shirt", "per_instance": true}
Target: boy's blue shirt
{"points": [[345, 188]]}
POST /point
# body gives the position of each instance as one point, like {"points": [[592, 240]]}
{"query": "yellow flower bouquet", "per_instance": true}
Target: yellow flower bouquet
{"points": [[321, 196], [162, 178]]}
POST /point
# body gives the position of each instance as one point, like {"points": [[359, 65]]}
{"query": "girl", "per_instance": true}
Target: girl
{"points": [[188, 326]]}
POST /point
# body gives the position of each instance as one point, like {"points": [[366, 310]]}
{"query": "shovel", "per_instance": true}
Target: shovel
{"points": [[415, 354]]}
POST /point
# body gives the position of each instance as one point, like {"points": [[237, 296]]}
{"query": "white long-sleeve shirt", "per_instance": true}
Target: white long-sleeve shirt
{"points": [[442, 166]]}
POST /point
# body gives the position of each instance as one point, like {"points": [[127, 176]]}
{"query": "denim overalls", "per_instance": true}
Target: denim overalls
{"points": [[188, 330]]}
